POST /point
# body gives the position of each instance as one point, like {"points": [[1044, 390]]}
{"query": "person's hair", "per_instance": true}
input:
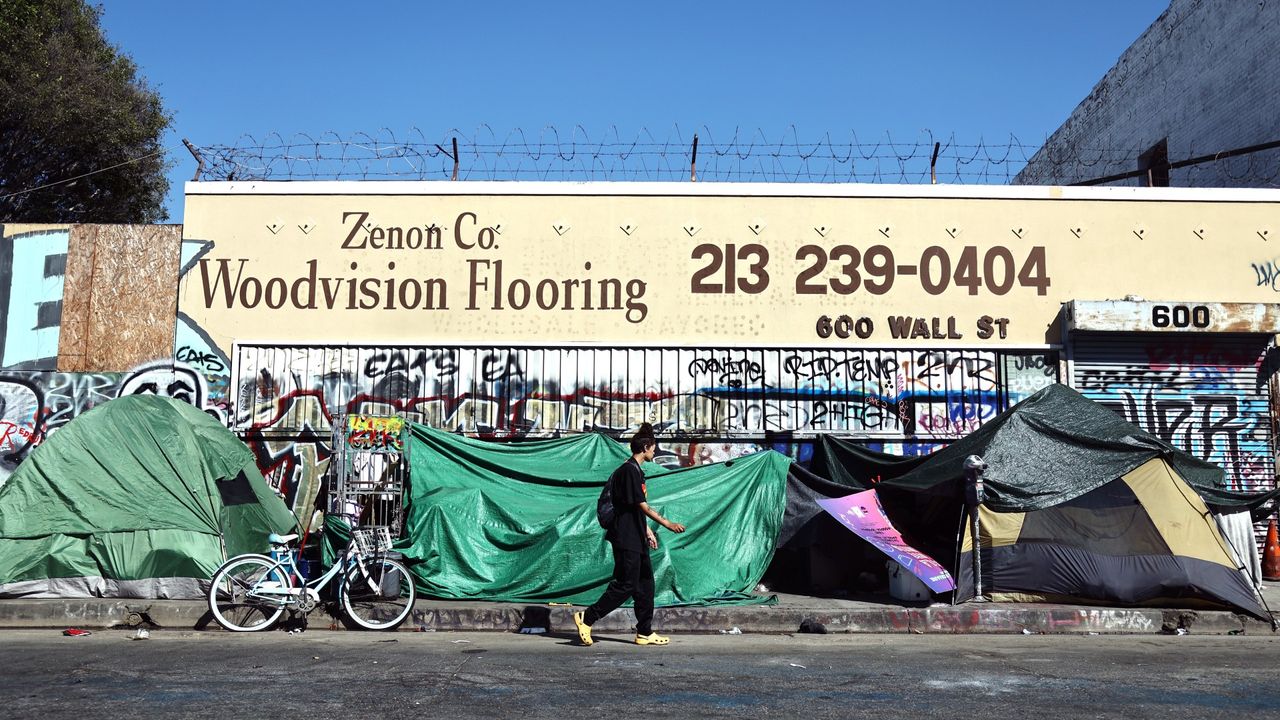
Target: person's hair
{"points": [[643, 439]]}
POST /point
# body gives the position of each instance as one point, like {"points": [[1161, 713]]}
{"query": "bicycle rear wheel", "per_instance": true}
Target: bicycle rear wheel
{"points": [[379, 597], [233, 598]]}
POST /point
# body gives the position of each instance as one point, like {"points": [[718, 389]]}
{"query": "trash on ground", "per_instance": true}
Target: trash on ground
{"points": [[425, 629], [295, 631], [533, 631], [1180, 631], [799, 666], [809, 625], [75, 632], [1027, 632], [734, 631], [142, 634], [455, 642]]}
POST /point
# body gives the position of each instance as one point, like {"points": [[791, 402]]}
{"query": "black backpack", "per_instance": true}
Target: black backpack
{"points": [[604, 506]]}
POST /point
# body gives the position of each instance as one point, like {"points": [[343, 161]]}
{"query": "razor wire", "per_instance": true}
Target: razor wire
{"points": [[577, 155]]}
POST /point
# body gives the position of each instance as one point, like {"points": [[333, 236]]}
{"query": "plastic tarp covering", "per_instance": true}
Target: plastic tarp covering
{"points": [[139, 488], [517, 522], [803, 512], [1051, 447]]}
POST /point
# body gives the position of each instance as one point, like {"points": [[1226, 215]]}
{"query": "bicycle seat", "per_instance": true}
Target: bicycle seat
{"points": [[275, 539]]}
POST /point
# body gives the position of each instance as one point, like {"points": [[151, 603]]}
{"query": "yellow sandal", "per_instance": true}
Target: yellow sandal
{"points": [[652, 639], [584, 630]]}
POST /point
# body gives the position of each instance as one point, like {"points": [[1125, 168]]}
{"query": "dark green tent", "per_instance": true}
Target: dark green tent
{"points": [[516, 522], [143, 496], [1051, 447]]}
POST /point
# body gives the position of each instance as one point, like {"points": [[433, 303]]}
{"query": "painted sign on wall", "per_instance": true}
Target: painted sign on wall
{"points": [[696, 266]]}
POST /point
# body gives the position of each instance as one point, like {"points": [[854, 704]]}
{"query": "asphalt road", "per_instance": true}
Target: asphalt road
{"points": [[367, 675]]}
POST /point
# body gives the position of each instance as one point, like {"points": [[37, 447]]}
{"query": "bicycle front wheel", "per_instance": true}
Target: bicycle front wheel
{"points": [[240, 596], [380, 596]]}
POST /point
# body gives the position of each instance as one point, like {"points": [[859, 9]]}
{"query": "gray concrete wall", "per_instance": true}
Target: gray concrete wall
{"points": [[1205, 75]]}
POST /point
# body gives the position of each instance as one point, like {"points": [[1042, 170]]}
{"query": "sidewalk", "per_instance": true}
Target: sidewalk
{"points": [[865, 615]]}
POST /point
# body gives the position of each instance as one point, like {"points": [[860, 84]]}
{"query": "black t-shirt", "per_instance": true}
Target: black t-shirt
{"points": [[628, 531]]}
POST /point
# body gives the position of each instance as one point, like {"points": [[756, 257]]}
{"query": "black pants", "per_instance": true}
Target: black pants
{"points": [[632, 578]]}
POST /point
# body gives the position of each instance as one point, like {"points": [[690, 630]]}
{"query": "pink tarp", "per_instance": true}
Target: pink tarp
{"points": [[862, 513]]}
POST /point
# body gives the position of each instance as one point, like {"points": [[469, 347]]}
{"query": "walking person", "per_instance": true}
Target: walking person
{"points": [[631, 539]]}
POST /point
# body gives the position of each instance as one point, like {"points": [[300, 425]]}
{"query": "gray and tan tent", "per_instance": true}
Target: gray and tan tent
{"points": [[1145, 538], [1080, 506]]}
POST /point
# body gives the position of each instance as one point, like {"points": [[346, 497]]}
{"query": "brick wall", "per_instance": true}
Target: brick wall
{"points": [[1205, 76]]}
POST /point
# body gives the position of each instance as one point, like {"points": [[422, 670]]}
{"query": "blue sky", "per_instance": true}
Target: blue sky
{"points": [[978, 70]]}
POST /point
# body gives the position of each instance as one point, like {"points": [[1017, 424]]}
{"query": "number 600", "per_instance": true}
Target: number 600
{"points": [[1180, 316]]}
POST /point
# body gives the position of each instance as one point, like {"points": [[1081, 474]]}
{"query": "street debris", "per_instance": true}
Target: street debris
{"points": [[455, 642], [809, 625], [142, 634], [75, 632], [734, 631], [533, 631], [802, 667]]}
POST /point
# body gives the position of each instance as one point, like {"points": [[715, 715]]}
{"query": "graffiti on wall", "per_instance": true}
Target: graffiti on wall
{"points": [[367, 433], [1266, 274], [1200, 396], [34, 405], [33, 269], [707, 405]]}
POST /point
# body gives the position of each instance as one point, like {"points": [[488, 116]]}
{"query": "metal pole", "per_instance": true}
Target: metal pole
{"points": [[196, 154], [693, 163], [974, 467]]}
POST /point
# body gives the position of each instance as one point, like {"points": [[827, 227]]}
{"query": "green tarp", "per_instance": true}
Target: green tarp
{"points": [[516, 522], [134, 498], [1054, 446]]}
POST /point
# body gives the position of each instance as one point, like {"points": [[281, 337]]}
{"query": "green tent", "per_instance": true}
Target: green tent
{"points": [[143, 496], [516, 522]]}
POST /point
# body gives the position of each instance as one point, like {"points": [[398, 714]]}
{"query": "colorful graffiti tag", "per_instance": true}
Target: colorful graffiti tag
{"points": [[34, 405], [375, 434], [1201, 396]]}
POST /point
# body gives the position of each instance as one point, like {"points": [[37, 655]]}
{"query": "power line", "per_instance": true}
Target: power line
{"points": [[148, 156]]}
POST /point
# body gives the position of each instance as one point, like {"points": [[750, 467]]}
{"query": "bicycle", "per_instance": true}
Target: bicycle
{"points": [[250, 592]]}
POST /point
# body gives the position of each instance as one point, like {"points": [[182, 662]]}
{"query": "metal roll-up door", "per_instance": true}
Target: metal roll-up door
{"points": [[1199, 392]]}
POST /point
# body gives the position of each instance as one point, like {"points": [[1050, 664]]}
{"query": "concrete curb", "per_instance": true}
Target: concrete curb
{"points": [[834, 617]]}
